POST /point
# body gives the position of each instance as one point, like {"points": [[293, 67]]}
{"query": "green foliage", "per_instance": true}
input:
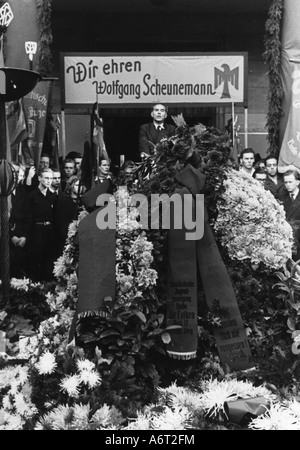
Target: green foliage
{"points": [[44, 8], [29, 304], [272, 57], [130, 342], [269, 317]]}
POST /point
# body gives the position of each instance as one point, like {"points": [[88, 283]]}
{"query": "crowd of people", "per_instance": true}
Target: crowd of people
{"points": [[283, 186], [41, 207]]}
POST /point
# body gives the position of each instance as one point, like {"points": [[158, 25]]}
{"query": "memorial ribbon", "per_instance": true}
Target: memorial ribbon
{"points": [[97, 268], [182, 293], [231, 339]]}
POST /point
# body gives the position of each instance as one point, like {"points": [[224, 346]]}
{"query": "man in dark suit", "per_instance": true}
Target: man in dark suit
{"points": [[153, 132], [274, 182], [291, 204], [65, 210], [20, 226], [41, 238]]}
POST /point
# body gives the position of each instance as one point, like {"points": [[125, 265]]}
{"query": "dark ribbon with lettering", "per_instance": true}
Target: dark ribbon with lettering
{"points": [[231, 339], [182, 291]]}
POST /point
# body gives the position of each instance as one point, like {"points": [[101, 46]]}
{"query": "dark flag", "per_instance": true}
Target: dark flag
{"points": [[55, 142], [35, 109], [17, 128], [87, 178], [98, 134]]}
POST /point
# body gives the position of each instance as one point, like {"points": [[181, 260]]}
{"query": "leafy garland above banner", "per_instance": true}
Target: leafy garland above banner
{"points": [[272, 57], [45, 64]]}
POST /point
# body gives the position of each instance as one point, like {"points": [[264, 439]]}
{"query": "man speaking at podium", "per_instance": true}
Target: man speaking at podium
{"points": [[153, 132]]}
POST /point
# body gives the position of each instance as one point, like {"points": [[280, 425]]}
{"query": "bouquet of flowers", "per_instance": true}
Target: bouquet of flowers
{"points": [[251, 223], [134, 257]]}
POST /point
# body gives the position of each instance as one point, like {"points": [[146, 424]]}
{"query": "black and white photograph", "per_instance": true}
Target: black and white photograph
{"points": [[149, 217]]}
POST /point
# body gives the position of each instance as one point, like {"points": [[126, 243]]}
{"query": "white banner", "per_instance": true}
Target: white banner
{"points": [[130, 79]]}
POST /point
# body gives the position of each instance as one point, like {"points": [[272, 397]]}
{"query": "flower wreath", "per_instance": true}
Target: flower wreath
{"points": [[251, 223]]}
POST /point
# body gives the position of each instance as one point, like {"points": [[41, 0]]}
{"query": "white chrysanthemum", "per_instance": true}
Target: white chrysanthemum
{"points": [[172, 419], [278, 417], [23, 407], [294, 406], [10, 421], [85, 364], [107, 417], [70, 384], [90, 377], [59, 418], [13, 376], [49, 297], [181, 396], [59, 267], [46, 364], [23, 374], [215, 395], [80, 417], [20, 284], [6, 402], [14, 386]]}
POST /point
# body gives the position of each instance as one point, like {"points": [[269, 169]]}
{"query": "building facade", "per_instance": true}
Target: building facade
{"points": [[161, 26]]}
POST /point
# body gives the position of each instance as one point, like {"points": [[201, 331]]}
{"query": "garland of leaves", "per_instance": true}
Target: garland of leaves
{"points": [[272, 57], [44, 10]]}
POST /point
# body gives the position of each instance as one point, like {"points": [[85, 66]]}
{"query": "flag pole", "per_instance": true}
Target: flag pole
{"points": [[233, 125], [246, 127], [63, 134], [98, 147]]}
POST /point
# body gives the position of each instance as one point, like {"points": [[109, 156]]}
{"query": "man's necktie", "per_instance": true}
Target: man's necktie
{"points": [[292, 196]]}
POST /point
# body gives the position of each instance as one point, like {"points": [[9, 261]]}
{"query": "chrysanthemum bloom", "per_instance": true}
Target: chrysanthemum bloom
{"points": [[70, 384], [90, 377], [46, 364], [20, 284], [85, 364], [278, 417]]}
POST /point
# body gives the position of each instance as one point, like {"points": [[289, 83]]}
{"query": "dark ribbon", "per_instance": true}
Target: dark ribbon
{"points": [[231, 339], [97, 268]]}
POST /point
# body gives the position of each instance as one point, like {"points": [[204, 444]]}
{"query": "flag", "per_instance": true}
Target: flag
{"points": [[16, 122], [16, 128], [36, 108], [87, 178], [290, 147], [98, 135], [55, 142], [233, 128]]}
